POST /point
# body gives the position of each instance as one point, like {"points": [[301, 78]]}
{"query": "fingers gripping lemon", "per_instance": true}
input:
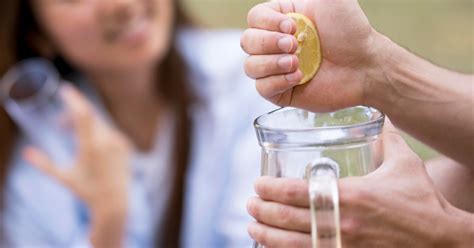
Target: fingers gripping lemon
{"points": [[309, 46]]}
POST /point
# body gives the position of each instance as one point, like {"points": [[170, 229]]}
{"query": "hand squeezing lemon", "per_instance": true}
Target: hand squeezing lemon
{"points": [[309, 46]]}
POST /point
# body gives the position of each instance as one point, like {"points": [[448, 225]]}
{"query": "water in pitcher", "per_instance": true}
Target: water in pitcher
{"points": [[286, 155], [353, 161]]}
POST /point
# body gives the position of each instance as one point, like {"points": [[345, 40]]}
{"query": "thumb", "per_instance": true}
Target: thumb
{"points": [[393, 143]]}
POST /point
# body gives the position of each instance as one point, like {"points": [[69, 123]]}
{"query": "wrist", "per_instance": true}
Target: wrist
{"points": [[459, 229], [112, 209], [112, 200], [378, 87], [108, 225]]}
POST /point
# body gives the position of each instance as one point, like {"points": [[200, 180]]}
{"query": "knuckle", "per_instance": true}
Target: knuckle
{"points": [[262, 88], [263, 236], [354, 196], [276, 59], [282, 79], [261, 65], [263, 40], [253, 14], [252, 208], [243, 40], [349, 227], [296, 243], [290, 192], [294, 62], [265, 19], [285, 214], [362, 195], [248, 67]]}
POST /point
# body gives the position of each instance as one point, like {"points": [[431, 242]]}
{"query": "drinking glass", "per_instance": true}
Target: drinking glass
{"points": [[29, 92], [320, 147]]}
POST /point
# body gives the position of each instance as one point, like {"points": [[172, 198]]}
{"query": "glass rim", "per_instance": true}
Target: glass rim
{"points": [[9, 78], [259, 126]]}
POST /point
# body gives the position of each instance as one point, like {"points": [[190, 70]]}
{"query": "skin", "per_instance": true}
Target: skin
{"points": [[362, 67], [454, 181], [117, 45], [386, 208], [97, 178], [101, 39]]}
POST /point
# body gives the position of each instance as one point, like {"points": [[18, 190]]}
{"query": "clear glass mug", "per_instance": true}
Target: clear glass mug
{"points": [[321, 147]]}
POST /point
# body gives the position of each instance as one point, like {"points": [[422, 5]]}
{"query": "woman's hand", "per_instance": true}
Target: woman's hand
{"points": [[100, 173], [349, 46], [395, 206]]}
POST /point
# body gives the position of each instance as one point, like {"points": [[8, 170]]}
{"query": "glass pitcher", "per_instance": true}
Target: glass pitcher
{"points": [[321, 147]]}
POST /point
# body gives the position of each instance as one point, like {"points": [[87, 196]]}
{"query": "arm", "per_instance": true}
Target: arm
{"points": [[433, 104], [454, 181], [99, 175], [359, 66], [107, 226]]}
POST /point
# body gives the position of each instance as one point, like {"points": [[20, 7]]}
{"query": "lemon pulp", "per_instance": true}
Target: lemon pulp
{"points": [[309, 46]]}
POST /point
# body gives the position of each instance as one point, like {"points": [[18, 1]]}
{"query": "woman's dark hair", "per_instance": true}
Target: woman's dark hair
{"points": [[18, 26]]}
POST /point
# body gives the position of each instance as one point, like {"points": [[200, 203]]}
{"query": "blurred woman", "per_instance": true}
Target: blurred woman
{"points": [[166, 153]]}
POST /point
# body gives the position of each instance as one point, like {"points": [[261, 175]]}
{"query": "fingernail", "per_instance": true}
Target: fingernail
{"points": [[293, 78], [285, 63], [286, 26], [285, 44]]}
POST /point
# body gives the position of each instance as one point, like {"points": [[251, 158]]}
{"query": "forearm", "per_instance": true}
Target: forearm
{"points": [[454, 181], [432, 104], [108, 227], [458, 228]]}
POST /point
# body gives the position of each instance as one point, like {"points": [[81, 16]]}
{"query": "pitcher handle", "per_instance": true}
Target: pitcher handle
{"points": [[322, 175]]}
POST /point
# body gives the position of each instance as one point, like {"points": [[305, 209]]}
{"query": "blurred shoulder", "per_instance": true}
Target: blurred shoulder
{"points": [[217, 75], [217, 47], [215, 60]]}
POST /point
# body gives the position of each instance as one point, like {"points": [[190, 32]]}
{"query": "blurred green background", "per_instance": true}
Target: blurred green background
{"points": [[441, 31]]}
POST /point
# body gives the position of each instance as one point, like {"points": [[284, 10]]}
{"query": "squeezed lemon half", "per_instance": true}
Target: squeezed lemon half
{"points": [[309, 46]]}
